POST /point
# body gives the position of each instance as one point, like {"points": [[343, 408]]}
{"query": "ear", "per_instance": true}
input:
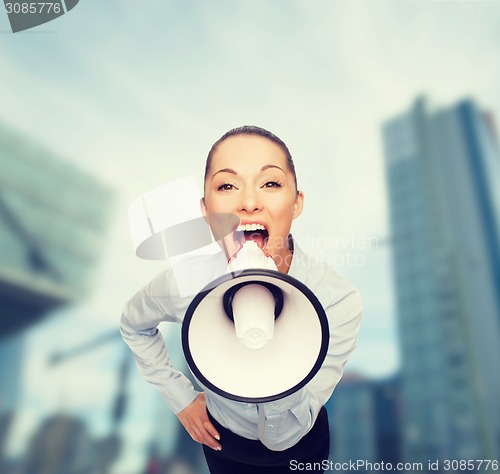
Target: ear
{"points": [[298, 205], [203, 208]]}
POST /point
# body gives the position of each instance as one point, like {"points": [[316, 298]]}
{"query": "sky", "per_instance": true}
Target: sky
{"points": [[135, 93]]}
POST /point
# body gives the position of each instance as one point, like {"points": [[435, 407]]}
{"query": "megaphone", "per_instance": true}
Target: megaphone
{"points": [[255, 335]]}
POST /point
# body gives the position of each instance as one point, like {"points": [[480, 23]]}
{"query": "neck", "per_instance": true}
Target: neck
{"points": [[284, 261]]}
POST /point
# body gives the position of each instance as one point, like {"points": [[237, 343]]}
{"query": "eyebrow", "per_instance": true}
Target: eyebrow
{"points": [[231, 171]]}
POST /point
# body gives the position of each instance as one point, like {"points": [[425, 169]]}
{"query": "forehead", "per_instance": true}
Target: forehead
{"points": [[247, 151]]}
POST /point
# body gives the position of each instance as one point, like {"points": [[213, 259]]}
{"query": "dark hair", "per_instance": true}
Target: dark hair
{"points": [[252, 130]]}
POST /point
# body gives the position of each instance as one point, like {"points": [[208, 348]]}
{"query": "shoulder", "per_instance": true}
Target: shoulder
{"points": [[189, 275], [325, 281], [172, 289]]}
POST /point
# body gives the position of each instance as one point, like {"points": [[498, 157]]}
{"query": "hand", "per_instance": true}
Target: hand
{"points": [[195, 419]]}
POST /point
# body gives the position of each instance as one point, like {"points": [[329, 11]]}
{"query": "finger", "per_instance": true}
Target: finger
{"points": [[194, 436], [209, 441], [211, 429], [196, 432], [202, 436]]}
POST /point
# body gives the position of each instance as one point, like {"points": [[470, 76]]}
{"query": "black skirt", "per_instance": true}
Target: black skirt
{"points": [[246, 456]]}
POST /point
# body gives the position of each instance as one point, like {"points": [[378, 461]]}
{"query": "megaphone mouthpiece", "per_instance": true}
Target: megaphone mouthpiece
{"points": [[277, 293], [253, 315], [250, 255]]}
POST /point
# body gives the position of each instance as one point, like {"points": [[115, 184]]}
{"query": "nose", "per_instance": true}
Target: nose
{"points": [[249, 201]]}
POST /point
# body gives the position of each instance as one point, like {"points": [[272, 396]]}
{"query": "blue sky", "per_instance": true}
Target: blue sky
{"points": [[136, 93]]}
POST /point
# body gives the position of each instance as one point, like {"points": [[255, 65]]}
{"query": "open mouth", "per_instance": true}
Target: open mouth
{"points": [[255, 232]]}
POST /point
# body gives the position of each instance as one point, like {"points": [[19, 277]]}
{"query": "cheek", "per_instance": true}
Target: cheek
{"points": [[282, 215], [286, 207], [214, 204]]}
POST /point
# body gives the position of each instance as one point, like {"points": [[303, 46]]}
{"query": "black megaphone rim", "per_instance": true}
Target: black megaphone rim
{"points": [[325, 333]]}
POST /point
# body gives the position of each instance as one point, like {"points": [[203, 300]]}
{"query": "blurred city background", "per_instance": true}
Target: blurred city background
{"points": [[388, 108]]}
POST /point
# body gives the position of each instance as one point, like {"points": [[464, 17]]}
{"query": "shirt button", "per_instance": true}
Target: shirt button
{"points": [[270, 426]]}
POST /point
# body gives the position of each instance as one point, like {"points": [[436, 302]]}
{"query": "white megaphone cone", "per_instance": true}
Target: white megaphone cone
{"points": [[255, 334]]}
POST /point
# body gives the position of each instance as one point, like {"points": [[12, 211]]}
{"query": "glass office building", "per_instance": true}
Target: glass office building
{"points": [[53, 218], [352, 421], [52, 222], [365, 422], [443, 174]]}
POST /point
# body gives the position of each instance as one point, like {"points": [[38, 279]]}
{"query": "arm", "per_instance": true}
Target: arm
{"points": [[139, 328], [344, 317]]}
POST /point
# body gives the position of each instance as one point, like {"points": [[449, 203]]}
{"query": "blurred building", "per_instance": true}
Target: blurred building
{"points": [[53, 218], [364, 420], [61, 445], [387, 408], [52, 223], [171, 448], [443, 173], [11, 357]]}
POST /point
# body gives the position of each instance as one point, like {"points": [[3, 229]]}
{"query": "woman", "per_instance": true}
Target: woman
{"points": [[250, 173]]}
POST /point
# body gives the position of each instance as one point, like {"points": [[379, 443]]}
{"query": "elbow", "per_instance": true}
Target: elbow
{"points": [[127, 331]]}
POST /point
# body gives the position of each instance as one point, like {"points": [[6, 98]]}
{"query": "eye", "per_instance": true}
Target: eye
{"points": [[272, 184], [225, 187]]}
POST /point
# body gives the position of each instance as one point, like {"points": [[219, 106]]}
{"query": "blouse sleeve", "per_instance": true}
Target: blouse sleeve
{"points": [[139, 328], [344, 318]]}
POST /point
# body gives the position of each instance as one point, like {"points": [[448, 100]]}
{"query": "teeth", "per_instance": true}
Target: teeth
{"points": [[251, 227]]}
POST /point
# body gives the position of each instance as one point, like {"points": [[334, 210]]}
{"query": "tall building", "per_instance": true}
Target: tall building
{"points": [[52, 222], [171, 444], [364, 420], [61, 444], [352, 423], [11, 358], [443, 173], [53, 218]]}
